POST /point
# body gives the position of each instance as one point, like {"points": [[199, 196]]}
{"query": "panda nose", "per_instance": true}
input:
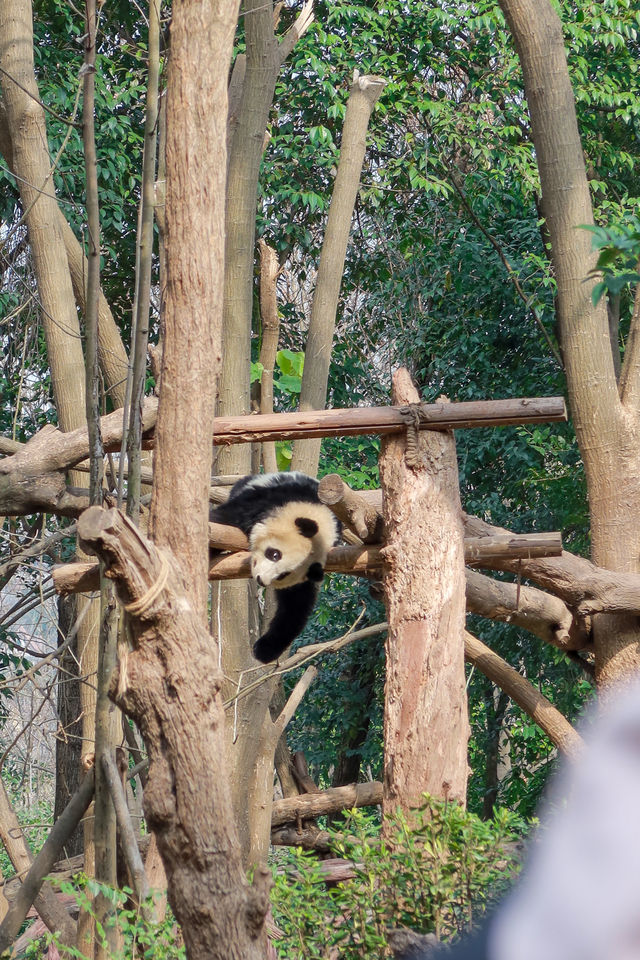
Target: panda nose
{"points": [[259, 581]]}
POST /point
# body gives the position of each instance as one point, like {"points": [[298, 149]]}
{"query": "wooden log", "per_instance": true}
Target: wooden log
{"points": [[308, 837], [514, 546], [351, 508], [360, 561], [426, 727], [358, 421], [308, 806]]}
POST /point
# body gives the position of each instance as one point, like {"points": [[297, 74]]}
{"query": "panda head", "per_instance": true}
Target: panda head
{"points": [[290, 544]]}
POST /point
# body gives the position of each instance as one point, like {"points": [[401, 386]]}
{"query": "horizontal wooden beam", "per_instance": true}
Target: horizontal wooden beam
{"points": [[358, 421], [365, 560]]}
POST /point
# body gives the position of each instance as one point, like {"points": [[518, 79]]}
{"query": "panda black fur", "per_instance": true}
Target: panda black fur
{"points": [[290, 533]]}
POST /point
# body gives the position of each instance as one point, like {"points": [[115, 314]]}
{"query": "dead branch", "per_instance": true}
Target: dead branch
{"points": [[127, 836], [548, 718], [354, 510], [360, 561], [294, 700], [582, 585], [49, 449], [30, 478], [305, 836]]}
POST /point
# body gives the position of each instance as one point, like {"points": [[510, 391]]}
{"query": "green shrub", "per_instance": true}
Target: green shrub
{"points": [[436, 875], [140, 939]]}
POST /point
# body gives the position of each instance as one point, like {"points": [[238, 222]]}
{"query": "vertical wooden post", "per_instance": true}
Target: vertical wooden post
{"points": [[425, 720]]}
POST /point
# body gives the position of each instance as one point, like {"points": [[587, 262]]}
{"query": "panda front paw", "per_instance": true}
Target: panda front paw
{"points": [[266, 651]]}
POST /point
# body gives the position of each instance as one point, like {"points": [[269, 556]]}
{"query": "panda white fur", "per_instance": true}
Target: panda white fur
{"points": [[290, 533]]}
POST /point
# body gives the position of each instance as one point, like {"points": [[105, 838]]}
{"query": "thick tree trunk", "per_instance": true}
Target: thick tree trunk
{"points": [[425, 723], [235, 604], [235, 607], [171, 682], [605, 412], [170, 685]]}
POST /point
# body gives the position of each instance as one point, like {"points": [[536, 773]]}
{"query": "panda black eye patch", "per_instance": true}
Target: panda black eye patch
{"points": [[272, 554], [308, 528]]}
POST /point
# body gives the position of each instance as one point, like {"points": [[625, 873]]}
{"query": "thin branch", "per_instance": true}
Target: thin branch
{"points": [[294, 700], [127, 835], [140, 333], [92, 373], [629, 384], [307, 653]]}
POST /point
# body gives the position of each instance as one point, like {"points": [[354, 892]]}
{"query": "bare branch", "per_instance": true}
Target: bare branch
{"points": [[295, 31], [548, 718], [127, 835], [294, 700]]}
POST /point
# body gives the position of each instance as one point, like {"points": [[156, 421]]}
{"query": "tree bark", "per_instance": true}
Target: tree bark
{"points": [[425, 716], [605, 413], [364, 93], [112, 355], [235, 607], [170, 683]]}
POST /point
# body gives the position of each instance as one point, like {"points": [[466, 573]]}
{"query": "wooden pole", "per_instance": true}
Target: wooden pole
{"points": [[425, 712], [358, 421], [359, 561]]}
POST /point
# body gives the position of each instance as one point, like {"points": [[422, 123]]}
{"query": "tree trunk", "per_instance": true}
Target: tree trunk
{"points": [[235, 606], [605, 412], [365, 90], [425, 716], [172, 679], [32, 164]]}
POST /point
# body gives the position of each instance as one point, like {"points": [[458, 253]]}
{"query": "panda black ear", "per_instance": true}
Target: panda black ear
{"points": [[315, 573], [308, 528]]}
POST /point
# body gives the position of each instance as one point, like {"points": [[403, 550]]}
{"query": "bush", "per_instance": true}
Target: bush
{"points": [[436, 875]]}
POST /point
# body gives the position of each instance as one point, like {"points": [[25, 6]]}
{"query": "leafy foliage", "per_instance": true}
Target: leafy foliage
{"points": [[618, 258], [434, 875], [140, 938]]}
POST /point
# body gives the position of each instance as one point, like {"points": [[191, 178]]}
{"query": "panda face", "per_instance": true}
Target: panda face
{"points": [[290, 545]]}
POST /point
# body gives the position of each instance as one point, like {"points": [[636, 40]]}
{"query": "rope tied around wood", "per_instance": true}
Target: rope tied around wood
{"points": [[413, 415], [137, 607]]}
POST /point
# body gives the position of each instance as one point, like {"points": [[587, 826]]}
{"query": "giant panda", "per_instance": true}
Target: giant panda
{"points": [[290, 533]]}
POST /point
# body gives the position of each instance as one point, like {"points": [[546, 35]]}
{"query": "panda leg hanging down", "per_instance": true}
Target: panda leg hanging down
{"points": [[290, 533]]}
